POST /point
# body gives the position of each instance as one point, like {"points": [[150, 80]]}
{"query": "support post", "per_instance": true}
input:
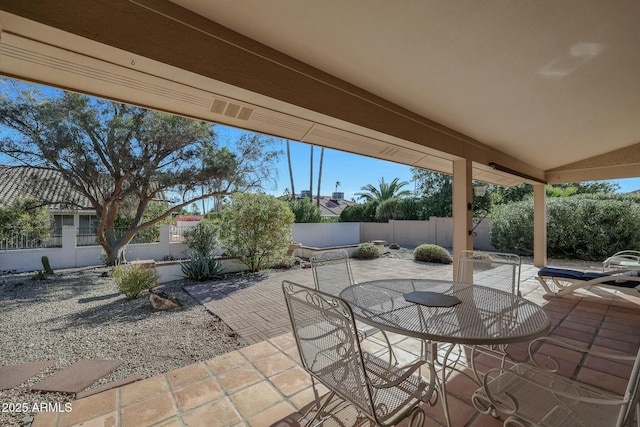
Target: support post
{"points": [[539, 226], [462, 215]]}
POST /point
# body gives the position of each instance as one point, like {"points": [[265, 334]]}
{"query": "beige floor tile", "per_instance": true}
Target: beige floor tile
{"points": [[273, 415], [45, 419], [89, 408], [215, 414], [302, 399], [255, 398], [291, 381], [239, 378], [148, 412], [258, 351], [274, 364], [227, 362], [187, 375], [108, 420], [196, 394], [284, 341], [172, 422], [141, 390]]}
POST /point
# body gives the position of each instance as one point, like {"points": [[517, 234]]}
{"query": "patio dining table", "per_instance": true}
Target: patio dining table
{"points": [[440, 311]]}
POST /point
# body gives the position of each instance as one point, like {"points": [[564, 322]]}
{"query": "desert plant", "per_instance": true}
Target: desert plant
{"points": [[432, 253], [46, 265], [40, 275], [255, 228], [201, 268], [132, 280], [366, 251], [201, 239]]}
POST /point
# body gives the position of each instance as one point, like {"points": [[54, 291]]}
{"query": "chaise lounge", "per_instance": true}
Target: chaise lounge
{"points": [[560, 281]]}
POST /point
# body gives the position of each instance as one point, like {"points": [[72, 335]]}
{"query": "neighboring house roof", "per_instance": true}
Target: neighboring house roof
{"points": [[44, 184], [332, 207]]}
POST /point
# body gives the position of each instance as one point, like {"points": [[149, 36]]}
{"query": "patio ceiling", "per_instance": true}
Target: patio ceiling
{"points": [[529, 91]]}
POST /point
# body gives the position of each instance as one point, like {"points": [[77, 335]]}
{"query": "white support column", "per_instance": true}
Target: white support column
{"points": [[462, 215], [539, 226]]}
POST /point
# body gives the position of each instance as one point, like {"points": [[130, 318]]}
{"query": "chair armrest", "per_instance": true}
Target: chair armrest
{"points": [[561, 343]]}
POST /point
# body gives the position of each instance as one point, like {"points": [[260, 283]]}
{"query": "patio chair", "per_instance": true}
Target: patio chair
{"points": [[491, 269], [531, 395], [560, 281], [624, 259], [494, 270], [332, 274], [325, 333]]}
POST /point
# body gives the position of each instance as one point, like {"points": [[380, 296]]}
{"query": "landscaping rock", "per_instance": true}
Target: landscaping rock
{"points": [[394, 246], [162, 301]]}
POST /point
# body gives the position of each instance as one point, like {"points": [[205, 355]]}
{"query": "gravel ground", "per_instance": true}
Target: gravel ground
{"points": [[80, 314]]}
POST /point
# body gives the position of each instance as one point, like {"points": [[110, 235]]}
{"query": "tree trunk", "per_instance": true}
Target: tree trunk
{"points": [[320, 175], [311, 175], [293, 189], [115, 254]]}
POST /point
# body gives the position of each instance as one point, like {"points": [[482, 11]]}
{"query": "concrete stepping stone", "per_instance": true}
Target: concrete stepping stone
{"points": [[77, 377], [14, 375], [119, 383]]}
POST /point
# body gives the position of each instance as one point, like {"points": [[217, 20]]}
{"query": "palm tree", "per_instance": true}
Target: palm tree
{"points": [[337, 185], [320, 176], [384, 191], [311, 175], [293, 189]]}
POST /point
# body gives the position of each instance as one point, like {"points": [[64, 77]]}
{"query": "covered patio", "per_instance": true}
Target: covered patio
{"points": [[500, 92], [263, 384]]}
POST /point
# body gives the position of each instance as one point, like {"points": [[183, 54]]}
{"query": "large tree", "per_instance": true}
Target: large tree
{"points": [[122, 157]]}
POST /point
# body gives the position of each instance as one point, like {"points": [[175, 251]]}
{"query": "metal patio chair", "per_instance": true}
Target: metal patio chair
{"points": [[332, 274], [325, 333], [531, 395], [494, 270]]}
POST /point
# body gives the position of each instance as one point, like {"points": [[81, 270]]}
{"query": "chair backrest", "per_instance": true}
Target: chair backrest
{"points": [[491, 269], [332, 271], [325, 332]]}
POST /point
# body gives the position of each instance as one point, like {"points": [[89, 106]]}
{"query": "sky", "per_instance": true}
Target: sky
{"points": [[351, 170]]}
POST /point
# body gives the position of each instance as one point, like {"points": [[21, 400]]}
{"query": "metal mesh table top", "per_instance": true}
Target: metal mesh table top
{"points": [[485, 316]]}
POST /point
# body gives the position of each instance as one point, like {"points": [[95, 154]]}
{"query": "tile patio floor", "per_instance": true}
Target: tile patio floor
{"points": [[263, 385]]}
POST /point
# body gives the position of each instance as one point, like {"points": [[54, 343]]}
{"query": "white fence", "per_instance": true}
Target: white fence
{"points": [[438, 231], [408, 233], [71, 255]]}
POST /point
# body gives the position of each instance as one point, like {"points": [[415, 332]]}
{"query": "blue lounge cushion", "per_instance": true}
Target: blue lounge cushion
{"points": [[564, 273]]}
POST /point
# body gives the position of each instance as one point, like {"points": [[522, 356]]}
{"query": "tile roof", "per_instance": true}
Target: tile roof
{"points": [[331, 207], [44, 184]]}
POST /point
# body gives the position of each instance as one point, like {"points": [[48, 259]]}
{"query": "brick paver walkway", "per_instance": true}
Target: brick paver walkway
{"points": [[254, 306]]}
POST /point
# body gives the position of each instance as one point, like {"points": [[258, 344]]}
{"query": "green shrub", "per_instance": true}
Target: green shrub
{"points": [[132, 280], [305, 211], [359, 213], [256, 228], [366, 251], [201, 239], [432, 253], [581, 227], [201, 268]]}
